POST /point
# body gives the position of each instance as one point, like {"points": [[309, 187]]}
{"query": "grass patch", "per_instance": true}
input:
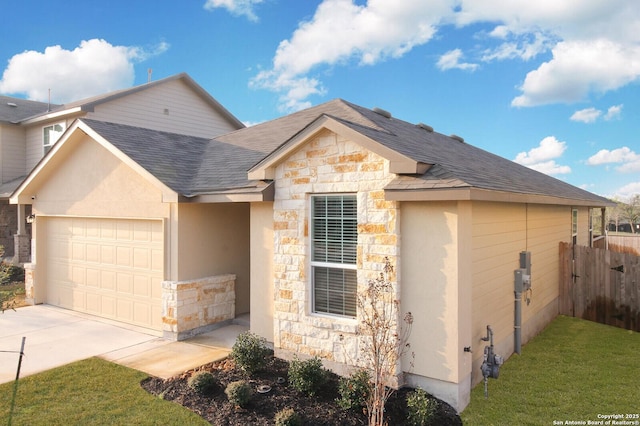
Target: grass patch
{"points": [[92, 391], [574, 370]]}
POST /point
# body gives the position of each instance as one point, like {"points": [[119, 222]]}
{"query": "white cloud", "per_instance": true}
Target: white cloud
{"points": [[594, 46], [236, 7], [94, 67], [587, 115], [542, 158], [520, 46], [341, 31], [629, 160], [613, 112], [451, 60], [590, 115], [627, 191], [579, 68]]}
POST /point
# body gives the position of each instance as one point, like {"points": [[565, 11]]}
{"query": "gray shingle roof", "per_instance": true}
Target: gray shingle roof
{"points": [[23, 109], [187, 164], [193, 166]]}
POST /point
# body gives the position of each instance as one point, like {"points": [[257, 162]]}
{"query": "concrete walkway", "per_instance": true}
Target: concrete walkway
{"points": [[55, 337]]}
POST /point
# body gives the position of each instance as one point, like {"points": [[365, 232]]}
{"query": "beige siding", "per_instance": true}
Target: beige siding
{"points": [[12, 155], [500, 233], [34, 140], [171, 107], [213, 239], [262, 273]]}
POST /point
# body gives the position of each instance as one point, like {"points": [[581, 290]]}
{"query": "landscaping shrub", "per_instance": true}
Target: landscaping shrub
{"points": [[288, 417], [420, 408], [10, 273], [249, 352], [354, 390], [203, 382], [307, 376], [239, 393]]}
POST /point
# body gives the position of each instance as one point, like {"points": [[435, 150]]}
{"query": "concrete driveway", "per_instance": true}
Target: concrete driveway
{"points": [[55, 337]]}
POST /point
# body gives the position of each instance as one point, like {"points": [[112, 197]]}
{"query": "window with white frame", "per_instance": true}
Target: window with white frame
{"points": [[334, 239], [51, 134]]}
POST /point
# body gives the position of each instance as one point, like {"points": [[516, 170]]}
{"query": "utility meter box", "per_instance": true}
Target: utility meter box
{"points": [[522, 281]]}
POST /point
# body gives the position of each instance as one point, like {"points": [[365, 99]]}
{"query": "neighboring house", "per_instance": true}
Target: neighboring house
{"points": [[287, 219], [28, 130]]}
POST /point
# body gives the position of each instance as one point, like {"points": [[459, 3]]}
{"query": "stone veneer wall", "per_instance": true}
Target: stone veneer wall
{"points": [[198, 306], [327, 164]]}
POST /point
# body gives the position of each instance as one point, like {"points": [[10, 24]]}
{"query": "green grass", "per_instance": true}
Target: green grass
{"points": [[574, 370], [89, 392]]}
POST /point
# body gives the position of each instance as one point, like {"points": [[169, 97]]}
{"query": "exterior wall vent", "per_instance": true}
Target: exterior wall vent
{"points": [[382, 112], [458, 138], [425, 127]]}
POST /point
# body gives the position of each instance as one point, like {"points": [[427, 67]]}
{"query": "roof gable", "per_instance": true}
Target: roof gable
{"points": [[89, 104], [50, 163]]}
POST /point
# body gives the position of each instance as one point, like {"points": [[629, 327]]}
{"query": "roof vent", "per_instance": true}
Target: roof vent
{"points": [[382, 112], [458, 138], [425, 127], [11, 104]]}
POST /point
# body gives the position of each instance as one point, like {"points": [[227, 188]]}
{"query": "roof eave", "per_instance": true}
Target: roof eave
{"points": [[239, 195], [65, 113], [477, 194]]}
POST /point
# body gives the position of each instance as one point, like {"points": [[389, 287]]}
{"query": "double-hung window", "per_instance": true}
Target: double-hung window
{"points": [[334, 239], [50, 135]]}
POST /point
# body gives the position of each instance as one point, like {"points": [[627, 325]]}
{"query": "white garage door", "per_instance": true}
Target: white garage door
{"points": [[112, 268]]}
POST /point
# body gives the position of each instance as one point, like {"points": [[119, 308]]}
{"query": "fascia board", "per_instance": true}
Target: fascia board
{"points": [[476, 194], [65, 113]]}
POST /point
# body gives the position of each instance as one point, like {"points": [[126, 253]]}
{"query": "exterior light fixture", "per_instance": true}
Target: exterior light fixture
{"points": [[31, 218]]}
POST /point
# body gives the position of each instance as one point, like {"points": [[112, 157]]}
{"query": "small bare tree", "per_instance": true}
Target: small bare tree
{"points": [[385, 339]]}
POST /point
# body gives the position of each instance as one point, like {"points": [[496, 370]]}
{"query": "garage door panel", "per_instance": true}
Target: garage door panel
{"points": [[108, 267], [93, 304], [92, 278], [123, 256], [92, 253], [124, 310], [108, 280], [78, 275], [124, 283]]}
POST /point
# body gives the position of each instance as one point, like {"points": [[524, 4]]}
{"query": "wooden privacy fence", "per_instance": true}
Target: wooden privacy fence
{"points": [[600, 285]]}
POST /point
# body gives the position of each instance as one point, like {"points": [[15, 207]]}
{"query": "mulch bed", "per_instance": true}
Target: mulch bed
{"points": [[320, 409]]}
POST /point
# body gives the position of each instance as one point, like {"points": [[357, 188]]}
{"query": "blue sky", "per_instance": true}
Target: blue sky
{"points": [[551, 84]]}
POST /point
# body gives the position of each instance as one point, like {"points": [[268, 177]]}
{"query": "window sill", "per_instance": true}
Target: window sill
{"points": [[335, 323]]}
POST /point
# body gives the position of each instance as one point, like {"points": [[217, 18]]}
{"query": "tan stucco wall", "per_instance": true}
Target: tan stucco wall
{"points": [[436, 289], [90, 181], [262, 250], [213, 239]]}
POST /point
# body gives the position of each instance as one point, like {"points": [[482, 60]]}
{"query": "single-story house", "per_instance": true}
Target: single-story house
{"points": [[287, 219]]}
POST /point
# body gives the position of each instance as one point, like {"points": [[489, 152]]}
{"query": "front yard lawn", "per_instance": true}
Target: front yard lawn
{"points": [[573, 371], [90, 392]]}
